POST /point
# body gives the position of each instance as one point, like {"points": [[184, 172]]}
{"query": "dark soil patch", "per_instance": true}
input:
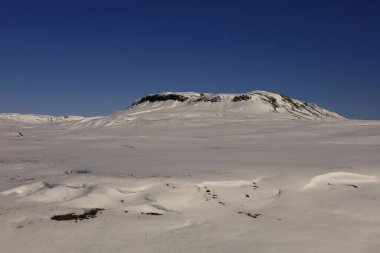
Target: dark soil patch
{"points": [[254, 185], [252, 215], [80, 172], [72, 216], [168, 185], [150, 213]]}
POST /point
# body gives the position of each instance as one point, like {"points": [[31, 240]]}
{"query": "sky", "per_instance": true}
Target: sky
{"points": [[95, 57]]}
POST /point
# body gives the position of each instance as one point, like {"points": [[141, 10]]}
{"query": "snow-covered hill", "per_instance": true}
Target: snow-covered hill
{"points": [[256, 105], [38, 119], [190, 104]]}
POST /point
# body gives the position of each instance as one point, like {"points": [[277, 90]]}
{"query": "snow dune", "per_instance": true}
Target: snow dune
{"points": [[340, 178], [148, 196]]}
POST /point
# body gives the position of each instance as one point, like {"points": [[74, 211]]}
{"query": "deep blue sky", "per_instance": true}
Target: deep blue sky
{"points": [[95, 57]]}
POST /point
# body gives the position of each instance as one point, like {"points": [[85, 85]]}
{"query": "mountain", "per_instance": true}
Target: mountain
{"points": [[256, 105], [250, 104]]}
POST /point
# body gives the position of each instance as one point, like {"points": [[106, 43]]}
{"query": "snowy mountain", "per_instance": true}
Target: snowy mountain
{"points": [[256, 105], [247, 104]]}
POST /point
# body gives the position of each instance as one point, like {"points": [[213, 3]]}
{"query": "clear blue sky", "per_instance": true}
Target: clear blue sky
{"points": [[95, 57]]}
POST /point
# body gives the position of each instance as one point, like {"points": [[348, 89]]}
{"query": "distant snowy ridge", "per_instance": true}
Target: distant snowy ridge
{"points": [[255, 102], [35, 118]]}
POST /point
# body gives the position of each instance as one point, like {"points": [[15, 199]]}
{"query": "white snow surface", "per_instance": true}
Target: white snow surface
{"points": [[187, 176]]}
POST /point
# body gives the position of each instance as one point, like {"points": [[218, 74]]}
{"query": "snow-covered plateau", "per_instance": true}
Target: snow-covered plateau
{"points": [[191, 172]]}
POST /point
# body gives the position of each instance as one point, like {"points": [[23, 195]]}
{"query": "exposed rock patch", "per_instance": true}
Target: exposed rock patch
{"points": [[271, 100], [241, 98], [209, 99], [161, 97]]}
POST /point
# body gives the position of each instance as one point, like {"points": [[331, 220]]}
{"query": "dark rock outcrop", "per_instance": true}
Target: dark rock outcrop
{"points": [[272, 101], [161, 97], [241, 98], [209, 99]]}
